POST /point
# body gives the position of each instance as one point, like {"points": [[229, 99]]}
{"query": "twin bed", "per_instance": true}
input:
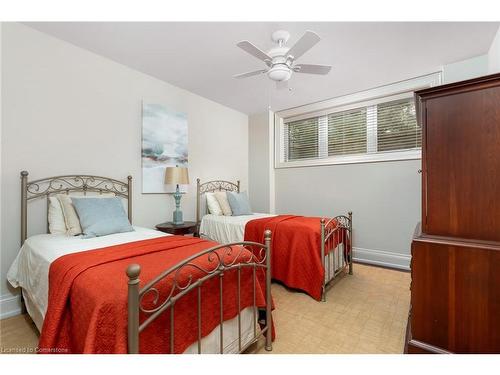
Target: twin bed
{"points": [[148, 292], [308, 252]]}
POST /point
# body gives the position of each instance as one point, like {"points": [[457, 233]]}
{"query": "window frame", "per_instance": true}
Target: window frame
{"points": [[369, 99]]}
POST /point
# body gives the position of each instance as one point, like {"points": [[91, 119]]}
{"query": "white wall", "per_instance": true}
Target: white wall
{"points": [[465, 69], [384, 198], [494, 55], [67, 110], [260, 157]]}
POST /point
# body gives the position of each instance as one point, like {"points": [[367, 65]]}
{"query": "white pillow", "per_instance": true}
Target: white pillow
{"points": [[213, 205], [55, 217], [70, 215], [221, 197]]}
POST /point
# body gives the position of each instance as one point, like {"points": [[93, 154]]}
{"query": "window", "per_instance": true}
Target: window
{"points": [[397, 127], [384, 127], [302, 139], [378, 128], [347, 132]]}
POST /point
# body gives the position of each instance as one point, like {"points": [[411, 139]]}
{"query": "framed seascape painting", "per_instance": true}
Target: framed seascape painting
{"points": [[164, 144]]}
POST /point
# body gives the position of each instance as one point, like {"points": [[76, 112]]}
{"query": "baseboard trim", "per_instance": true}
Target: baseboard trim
{"points": [[381, 258], [10, 305]]}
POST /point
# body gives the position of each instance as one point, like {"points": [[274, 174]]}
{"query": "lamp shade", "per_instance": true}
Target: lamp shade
{"points": [[176, 176]]}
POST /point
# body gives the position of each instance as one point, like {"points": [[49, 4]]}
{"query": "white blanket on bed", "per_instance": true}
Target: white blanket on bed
{"points": [[30, 269], [226, 229]]}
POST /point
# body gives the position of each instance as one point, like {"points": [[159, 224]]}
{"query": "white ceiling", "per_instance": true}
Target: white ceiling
{"points": [[203, 57]]}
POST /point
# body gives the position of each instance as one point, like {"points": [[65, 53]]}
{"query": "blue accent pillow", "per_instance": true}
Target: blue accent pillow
{"points": [[239, 203], [101, 216]]}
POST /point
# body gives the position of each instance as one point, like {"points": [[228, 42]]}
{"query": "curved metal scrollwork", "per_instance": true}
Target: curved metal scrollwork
{"points": [[336, 225], [218, 185], [209, 187], [45, 187], [219, 259], [83, 183], [190, 275], [340, 221]]}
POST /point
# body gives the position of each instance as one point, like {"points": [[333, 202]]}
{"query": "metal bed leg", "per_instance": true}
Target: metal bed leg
{"points": [[323, 287], [349, 214], [269, 319], [133, 272]]}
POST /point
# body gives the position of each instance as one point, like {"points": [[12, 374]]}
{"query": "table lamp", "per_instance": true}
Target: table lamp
{"points": [[177, 176]]}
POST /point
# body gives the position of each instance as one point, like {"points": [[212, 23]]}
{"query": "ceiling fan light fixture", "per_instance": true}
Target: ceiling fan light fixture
{"points": [[279, 73], [281, 60]]}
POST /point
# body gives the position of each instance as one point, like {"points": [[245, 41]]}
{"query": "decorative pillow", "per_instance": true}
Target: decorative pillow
{"points": [[213, 204], [73, 227], [55, 217], [221, 197], [101, 216], [239, 203]]}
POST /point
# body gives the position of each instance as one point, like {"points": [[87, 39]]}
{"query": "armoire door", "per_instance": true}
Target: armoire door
{"points": [[461, 162]]}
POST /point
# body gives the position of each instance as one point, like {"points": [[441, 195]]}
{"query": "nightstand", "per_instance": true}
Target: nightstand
{"points": [[189, 227]]}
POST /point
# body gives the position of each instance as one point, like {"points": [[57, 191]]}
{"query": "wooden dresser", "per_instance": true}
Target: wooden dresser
{"points": [[455, 267]]}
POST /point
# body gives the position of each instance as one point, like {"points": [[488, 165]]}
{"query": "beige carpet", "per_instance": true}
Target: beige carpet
{"points": [[364, 313]]}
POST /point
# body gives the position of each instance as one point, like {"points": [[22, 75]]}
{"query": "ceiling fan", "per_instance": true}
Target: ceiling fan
{"points": [[280, 60]]}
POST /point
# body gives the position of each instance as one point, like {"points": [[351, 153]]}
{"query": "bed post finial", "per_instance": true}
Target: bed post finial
{"points": [[269, 301], [133, 272]]}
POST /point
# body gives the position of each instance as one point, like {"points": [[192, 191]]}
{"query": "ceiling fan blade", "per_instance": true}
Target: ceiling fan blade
{"points": [[308, 40], [312, 68], [249, 74], [282, 85], [246, 46]]}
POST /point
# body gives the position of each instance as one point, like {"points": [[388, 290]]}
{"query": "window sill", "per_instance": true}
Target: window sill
{"points": [[353, 159]]}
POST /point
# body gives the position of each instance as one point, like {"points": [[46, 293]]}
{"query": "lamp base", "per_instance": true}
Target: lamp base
{"points": [[177, 218]]}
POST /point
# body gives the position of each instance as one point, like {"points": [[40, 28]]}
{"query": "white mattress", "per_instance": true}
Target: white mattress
{"points": [[30, 270], [226, 229]]}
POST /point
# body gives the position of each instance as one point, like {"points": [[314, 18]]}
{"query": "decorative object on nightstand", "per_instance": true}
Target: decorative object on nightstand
{"points": [[188, 227], [177, 176]]}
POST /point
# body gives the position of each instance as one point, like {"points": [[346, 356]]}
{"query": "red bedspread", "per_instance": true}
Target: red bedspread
{"points": [[87, 310], [296, 250]]}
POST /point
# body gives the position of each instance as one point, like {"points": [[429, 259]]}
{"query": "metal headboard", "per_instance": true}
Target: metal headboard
{"points": [[45, 187], [210, 187]]}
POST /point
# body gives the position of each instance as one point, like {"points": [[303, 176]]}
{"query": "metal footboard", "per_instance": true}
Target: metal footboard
{"points": [[223, 259], [336, 248]]}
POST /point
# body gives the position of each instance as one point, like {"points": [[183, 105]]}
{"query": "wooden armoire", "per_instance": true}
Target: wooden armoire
{"points": [[455, 266]]}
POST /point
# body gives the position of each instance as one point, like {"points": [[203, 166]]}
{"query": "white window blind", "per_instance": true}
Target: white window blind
{"points": [[397, 127], [383, 127], [347, 132], [302, 139]]}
